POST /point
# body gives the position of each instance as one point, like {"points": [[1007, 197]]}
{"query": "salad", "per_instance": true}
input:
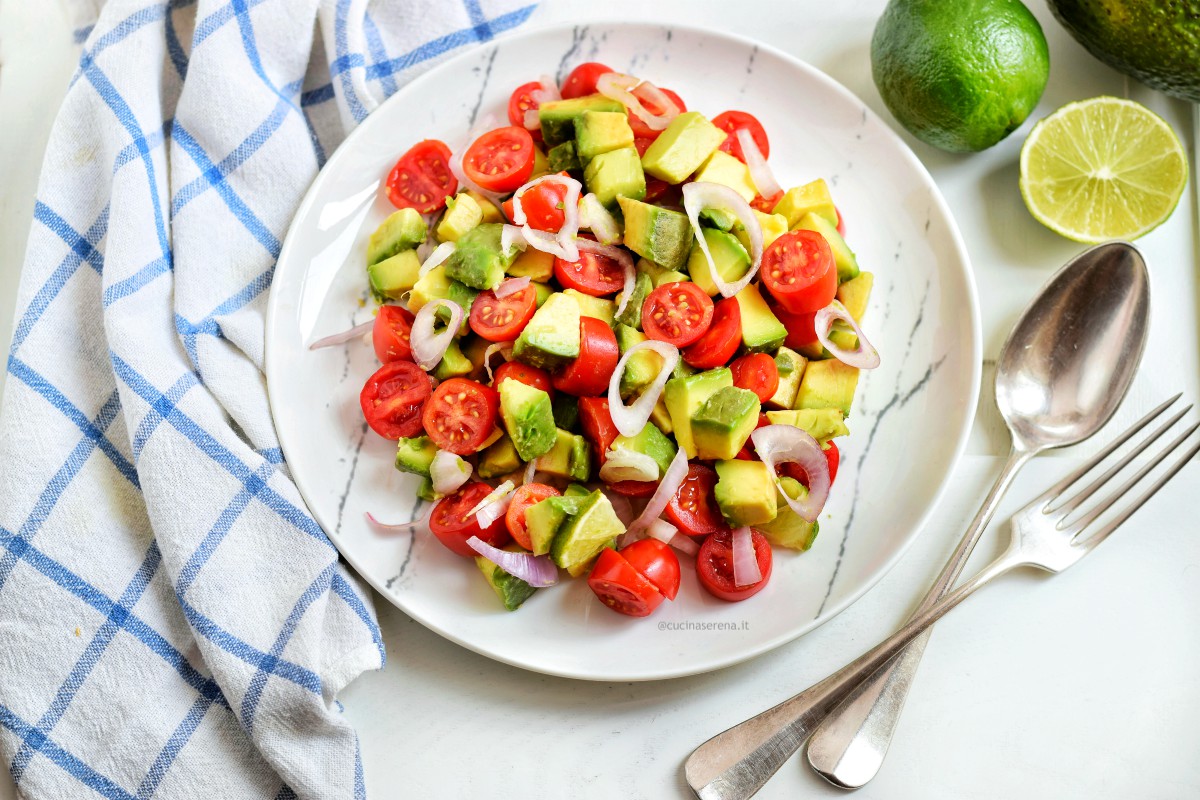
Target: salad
{"points": [[609, 337]]}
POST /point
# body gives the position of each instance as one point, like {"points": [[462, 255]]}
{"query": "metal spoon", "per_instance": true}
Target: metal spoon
{"points": [[1062, 373]]}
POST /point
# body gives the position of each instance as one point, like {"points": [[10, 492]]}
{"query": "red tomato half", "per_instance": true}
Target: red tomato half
{"points": [[758, 373], [500, 160], [841, 225], [677, 313], [390, 334], [799, 272], [832, 457], [766, 204], [730, 122], [657, 562], [522, 101], [501, 319], [634, 488], [592, 273], [694, 509], [801, 328], [530, 376], [621, 587], [393, 398], [641, 129], [589, 374], [543, 206], [525, 496], [582, 79], [460, 415], [714, 566], [452, 523], [721, 340], [422, 178], [597, 424]]}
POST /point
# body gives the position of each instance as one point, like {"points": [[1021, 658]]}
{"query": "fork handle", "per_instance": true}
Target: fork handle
{"points": [[735, 764]]}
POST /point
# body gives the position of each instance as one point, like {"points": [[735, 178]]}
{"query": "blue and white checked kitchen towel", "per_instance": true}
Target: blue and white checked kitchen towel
{"points": [[173, 623]]}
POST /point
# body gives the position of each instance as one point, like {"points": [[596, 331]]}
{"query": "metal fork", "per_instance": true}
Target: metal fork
{"points": [[1051, 533]]}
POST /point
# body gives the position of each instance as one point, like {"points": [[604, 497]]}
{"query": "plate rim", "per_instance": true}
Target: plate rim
{"points": [[304, 208]]}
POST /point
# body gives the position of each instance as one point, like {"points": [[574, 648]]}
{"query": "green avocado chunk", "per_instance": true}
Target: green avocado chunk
{"points": [[659, 234], [462, 214], [680, 149], [551, 338], [599, 132], [498, 458], [568, 457], [745, 492], [402, 230], [726, 170], [791, 369], [566, 412], [528, 418], [642, 367], [812, 197], [478, 259], [632, 315], [854, 295], [652, 442], [453, 364], [723, 424], [537, 265], [827, 384], [822, 424], [394, 275], [658, 274], [789, 529], [762, 332], [584, 534], [843, 257], [598, 307], [511, 590], [557, 117], [685, 395], [614, 175], [415, 455], [436, 285], [729, 257], [564, 158]]}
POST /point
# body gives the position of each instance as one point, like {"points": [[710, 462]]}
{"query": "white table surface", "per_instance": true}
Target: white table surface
{"points": [[1079, 687]]}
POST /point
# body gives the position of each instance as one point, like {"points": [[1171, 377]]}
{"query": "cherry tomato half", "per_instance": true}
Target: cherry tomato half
{"points": [[582, 79], [590, 373], [799, 272], [592, 273], [841, 224], [766, 204], [452, 523], [758, 373], [677, 313], [801, 328], [832, 457], [393, 398], [597, 424], [501, 159], [390, 334], [694, 509], [530, 376], [422, 178], [641, 129], [634, 488], [522, 101], [730, 122], [525, 496], [621, 587], [721, 340], [714, 566], [460, 415], [657, 562], [543, 206], [500, 319]]}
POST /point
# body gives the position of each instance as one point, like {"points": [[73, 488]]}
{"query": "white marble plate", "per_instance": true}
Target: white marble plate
{"points": [[910, 419]]}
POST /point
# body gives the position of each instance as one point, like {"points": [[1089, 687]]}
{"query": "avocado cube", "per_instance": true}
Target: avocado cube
{"points": [[566, 412], [632, 315], [650, 441], [528, 417], [791, 369], [511, 590], [478, 259], [402, 230], [684, 397], [576, 490], [615, 174], [542, 521], [543, 292], [537, 265], [728, 171], [564, 158], [462, 214], [745, 492], [789, 529], [843, 257], [812, 197], [579, 464], [598, 132], [584, 534], [436, 285], [551, 338], [822, 424], [562, 458], [491, 212], [680, 149], [658, 274], [557, 117], [828, 384], [425, 491], [661, 418], [642, 367], [728, 255], [453, 364], [596, 307], [498, 458], [853, 294], [716, 218], [762, 332], [658, 234], [415, 455], [394, 275], [722, 425], [773, 226]]}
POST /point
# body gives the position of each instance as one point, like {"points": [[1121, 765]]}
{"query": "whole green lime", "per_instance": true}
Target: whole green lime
{"points": [[959, 74], [1155, 41]]}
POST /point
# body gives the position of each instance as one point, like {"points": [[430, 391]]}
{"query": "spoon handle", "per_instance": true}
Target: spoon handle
{"points": [[849, 746]]}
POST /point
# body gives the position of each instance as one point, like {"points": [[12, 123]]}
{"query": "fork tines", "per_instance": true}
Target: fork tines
{"points": [[1061, 510]]}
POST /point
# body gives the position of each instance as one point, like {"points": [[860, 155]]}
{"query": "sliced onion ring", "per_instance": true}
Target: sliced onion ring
{"points": [[492, 507], [447, 472], [630, 420], [623, 464], [760, 173], [510, 286], [667, 533], [421, 520], [512, 236], [667, 488], [538, 571], [344, 336], [745, 560], [785, 444], [620, 87], [561, 244], [439, 254], [530, 472], [863, 356], [700, 195], [503, 348], [429, 347], [622, 257], [598, 219]]}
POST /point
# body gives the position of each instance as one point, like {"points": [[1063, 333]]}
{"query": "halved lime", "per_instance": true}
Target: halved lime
{"points": [[1101, 169]]}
